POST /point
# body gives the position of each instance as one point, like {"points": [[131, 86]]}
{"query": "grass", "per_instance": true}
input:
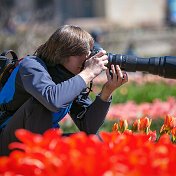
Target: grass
{"points": [[142, 93]]}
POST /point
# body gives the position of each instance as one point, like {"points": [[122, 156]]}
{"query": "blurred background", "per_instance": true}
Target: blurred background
{"points": [[149, 25], [141, 27]]}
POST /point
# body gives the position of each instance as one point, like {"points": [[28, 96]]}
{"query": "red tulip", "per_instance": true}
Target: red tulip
{"points": [[123, 125], [173, 132], [115, 127], [124, 154], [136, 125], [144, 125], [169, 124]]}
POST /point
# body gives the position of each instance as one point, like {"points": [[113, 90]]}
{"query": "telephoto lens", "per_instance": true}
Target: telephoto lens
{"points": [[164, 66]]}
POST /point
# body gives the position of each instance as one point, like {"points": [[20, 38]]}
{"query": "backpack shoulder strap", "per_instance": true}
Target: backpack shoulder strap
{"points": [[13, 54], [7, 65]]}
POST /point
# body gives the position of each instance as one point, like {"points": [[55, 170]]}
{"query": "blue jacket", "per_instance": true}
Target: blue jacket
{"points": [[56, 89]]}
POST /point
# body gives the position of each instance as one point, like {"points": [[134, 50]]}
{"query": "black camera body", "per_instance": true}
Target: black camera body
{"points": [[164, 66]]}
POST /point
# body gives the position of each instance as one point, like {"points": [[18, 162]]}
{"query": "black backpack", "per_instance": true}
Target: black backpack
{"points": [[7, 65]]}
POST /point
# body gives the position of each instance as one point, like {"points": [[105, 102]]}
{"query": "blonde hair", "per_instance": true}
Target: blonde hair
{"points": [[68, 40]]}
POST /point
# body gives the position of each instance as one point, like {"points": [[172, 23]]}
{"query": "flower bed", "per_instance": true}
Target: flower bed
{"points": [[131, 110], [141, 90], [123, 153]]}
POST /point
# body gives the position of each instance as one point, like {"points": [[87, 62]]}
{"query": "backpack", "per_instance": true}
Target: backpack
{"points": [[7, 65]]}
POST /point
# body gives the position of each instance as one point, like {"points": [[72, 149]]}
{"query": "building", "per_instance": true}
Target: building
{"points": [[123, 13]]}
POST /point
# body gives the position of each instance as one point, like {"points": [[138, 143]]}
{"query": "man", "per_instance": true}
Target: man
{"points": [[51, 83]]}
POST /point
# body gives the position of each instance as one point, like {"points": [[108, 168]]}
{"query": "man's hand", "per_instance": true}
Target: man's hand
{"points": [[94, 66], [114, 81]]}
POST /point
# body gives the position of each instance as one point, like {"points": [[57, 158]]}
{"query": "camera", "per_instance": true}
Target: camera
{"points": [[164, 66]]}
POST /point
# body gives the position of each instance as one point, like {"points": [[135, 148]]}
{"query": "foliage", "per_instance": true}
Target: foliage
{"points": [[140, 93]]}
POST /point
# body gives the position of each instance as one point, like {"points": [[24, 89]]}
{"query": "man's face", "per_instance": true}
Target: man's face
{"points": [[75, 63]]}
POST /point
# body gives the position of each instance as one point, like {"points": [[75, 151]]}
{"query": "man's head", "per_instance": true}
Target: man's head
{"points": [[65, 42]]}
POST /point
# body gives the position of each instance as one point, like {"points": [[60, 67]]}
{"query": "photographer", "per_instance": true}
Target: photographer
{"points": [[53, 82]]}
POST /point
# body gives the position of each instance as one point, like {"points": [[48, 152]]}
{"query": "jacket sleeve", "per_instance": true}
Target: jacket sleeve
{"points": [[87, 115], [37, 82]]}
